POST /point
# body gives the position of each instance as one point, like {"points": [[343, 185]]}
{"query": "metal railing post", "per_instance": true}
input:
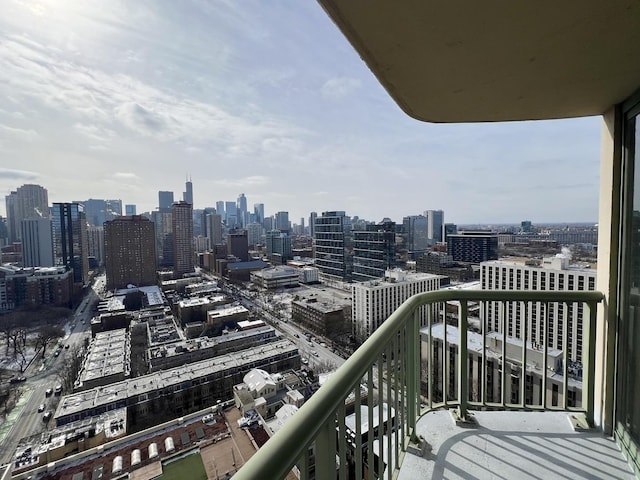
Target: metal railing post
{"points": [[463, 361], [413, 372]]}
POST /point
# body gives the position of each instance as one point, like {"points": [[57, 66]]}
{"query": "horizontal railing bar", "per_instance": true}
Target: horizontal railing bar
{"points": [[276, 458]]}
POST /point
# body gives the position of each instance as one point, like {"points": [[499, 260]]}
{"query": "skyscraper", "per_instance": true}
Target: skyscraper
{"points": [[165, 201], [130, 256], [182, 222], [187, 195], [333, 254], [374, 251], [258, 210], [130, 210], [312, 223], [37, 242], [282, 222], [70, 239], [220, 210], [435, 225], [416, 232], [95, 245], [238, 245], [28, 201], [473, 246], [231, 218], [241, 206], [214, 228]]}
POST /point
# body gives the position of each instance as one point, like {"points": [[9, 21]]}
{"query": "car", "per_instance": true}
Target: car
{"points": [[296, 335], [58, 389], [314, 353], [66, 346], [41, 407], [46, 416], [48, 392], [305, 361], [322, 344], [17, 379], [57, 354]]}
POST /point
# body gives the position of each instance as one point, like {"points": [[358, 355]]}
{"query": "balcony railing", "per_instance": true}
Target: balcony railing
{"points": [[405, 370]]}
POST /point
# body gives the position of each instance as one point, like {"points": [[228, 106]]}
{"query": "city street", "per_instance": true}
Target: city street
{"points": [[25, 420]]}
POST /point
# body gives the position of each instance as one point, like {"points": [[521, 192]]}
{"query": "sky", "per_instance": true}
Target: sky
{"points": [[121, 99]]}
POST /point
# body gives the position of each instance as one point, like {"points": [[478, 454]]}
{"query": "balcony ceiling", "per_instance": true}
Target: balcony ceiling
{"points": [[468, 61]]}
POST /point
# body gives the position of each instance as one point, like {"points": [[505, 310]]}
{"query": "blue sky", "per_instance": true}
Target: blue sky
{"points": [[120, 99]]}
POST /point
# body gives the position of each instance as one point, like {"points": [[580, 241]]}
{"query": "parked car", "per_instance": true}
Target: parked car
{"points": [[58, 389], [17, 379], [209, 418], [46, 416], [41, 407], [49, 392]]}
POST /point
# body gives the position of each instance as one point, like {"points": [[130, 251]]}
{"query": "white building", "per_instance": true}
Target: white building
{"points": [[37, 242], [373, 302], [553, 274]]}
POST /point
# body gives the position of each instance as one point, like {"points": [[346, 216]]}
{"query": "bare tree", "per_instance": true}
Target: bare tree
{"points": [[46, 335], [71, 367]]}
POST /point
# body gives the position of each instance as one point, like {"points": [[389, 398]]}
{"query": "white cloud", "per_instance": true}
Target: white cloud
{"points": [[339, 87], [19, 133], [14, 174]]}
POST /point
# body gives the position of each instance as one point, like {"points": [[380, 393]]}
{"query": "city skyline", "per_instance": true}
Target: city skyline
{"points": [[269, 100]]}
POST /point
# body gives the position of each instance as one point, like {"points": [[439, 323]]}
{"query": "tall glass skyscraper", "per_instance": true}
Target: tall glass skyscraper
{"points": [[70, 239]]}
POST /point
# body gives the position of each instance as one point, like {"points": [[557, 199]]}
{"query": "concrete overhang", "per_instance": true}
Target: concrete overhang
{"points": [[471, 61]]}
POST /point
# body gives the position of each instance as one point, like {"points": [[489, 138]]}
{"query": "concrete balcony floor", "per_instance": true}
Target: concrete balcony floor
{"points": [[513, 445]]}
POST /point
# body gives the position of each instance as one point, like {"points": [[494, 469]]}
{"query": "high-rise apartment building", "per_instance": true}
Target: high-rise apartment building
{"points": [[130, 256], [416, 233], [214, 228], [473, 246], [28, 201], [165, 201], [187, 195], [374, 301], [278, 247], [553, 274], [374, 251], [312, 223], [70, 239], [238, 245], [130, 210], [333, 253], [164, 238], [254, 234], [182, 223], [435, 226], [37, 242]]}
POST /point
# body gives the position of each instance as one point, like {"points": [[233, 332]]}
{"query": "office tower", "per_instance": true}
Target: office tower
{"points": [[254, 234], [416, 231], [130, 210], [268, 224], [130, 256], [4, 232], [231, 218], [373, 302], [449, 229], [70, 239], [473, 246], [312, 223], [435, 225], [241, 209], [37, 242], [214, 228], [164, 238], [198, 226], [182, 223], [220, 210], [28, 201], [553, 274], [165, 201], [258, 210], [278, 247], [113, 209], [187, 195], [95, 245], [374, 251], [282, 222], [333, 255], [238, 245]]}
